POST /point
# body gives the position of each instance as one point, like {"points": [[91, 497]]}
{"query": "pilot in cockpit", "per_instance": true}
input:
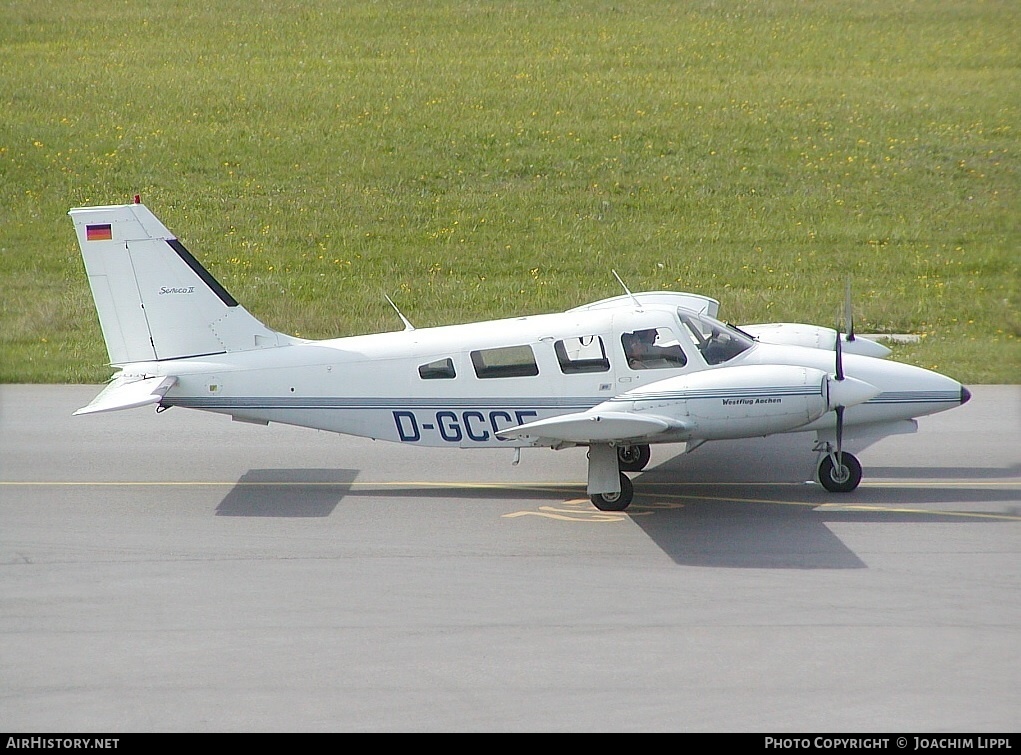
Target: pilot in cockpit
{"points": [[644, 354]]}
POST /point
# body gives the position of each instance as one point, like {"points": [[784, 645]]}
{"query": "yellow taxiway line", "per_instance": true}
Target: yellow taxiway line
{"points": [[638, 507]]}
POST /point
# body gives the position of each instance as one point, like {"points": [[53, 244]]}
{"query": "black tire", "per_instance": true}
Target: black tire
{"points": [[615, 501], [837, 481], [633, 458]]}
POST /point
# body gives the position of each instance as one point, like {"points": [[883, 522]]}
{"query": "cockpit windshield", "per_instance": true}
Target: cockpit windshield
{"points": [[717, 341]]}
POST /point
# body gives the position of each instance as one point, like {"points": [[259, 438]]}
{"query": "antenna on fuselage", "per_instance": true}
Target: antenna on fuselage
{"points": [[638, 304], [407, 323]]}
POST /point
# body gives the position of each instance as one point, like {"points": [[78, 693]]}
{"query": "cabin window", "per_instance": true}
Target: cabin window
{"points": [[583, 354], [441, 369], [510, 361], [653, 349]]}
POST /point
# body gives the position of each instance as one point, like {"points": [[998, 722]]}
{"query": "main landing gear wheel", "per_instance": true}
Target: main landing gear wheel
{"points": [[633, 458], [839, 479], [615, 501]]}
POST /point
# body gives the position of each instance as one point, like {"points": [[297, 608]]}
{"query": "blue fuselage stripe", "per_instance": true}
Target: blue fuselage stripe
{"points": [[535, 403]]}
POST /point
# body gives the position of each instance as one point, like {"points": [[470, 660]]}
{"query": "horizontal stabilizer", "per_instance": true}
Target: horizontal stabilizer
{"points": [[593, 426], [128, 392]]}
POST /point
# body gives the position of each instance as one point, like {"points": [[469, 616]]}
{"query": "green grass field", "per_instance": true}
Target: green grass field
{"points": [[485, 159]]}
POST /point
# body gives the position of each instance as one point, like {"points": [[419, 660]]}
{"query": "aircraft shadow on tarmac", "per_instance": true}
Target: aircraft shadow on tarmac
{"points": [[704, 514], [737, 526], [750, 506], [726, 534], [287, 492], [747, 531]]}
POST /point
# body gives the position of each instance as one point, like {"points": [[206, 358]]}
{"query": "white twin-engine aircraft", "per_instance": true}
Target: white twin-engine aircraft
{"points": [[615, 376]]}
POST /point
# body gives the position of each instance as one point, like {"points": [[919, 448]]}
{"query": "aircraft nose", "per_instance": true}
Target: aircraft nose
{"points": [[965, 395]]}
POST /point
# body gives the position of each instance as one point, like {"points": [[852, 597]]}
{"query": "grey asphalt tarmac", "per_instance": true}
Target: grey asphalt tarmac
{"points": [[185, 573]]}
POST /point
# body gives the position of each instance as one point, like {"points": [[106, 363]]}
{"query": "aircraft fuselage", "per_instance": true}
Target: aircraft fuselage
{"points": [[382, 386]]}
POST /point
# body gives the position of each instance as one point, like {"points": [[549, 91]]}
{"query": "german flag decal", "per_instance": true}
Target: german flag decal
{"points": [[99, 232]]}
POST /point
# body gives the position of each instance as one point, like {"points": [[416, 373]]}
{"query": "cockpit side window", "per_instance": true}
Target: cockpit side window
{"points": [[718, 343], [582, 354], [652, 349]]}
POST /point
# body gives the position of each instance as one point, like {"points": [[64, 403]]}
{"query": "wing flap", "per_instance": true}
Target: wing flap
{"points": [[593, 426], [129, 392]]}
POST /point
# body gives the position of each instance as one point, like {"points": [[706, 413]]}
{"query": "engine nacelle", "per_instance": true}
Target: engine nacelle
{"points": [[734, 402], [813, 337]]}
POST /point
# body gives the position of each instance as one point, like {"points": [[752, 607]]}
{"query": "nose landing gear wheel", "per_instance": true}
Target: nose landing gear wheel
{"points": [[633, 458], [842, 479], [615, 501]]}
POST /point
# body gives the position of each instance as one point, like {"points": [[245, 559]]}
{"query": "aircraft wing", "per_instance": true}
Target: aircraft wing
{"points": [[127, 392], [593, 426]]}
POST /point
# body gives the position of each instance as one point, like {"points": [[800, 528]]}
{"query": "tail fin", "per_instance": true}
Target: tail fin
{"points": [[155, 300]]}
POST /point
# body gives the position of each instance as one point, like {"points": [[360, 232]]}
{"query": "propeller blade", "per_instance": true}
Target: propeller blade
{"points": [[840, 358], [858, 386], [848, 312], [840, 432]]}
